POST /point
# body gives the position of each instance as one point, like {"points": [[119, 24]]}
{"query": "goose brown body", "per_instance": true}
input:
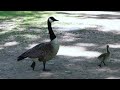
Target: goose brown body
{"points": [[43, 51]]}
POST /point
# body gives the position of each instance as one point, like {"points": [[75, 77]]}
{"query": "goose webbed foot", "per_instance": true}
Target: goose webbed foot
{"points": [[46, 69], [99, 65]]}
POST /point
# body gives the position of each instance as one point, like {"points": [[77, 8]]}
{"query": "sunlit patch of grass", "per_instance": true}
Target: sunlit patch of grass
{"points": [[11, 43], [13, 14], [26, 18], [30, 36]]}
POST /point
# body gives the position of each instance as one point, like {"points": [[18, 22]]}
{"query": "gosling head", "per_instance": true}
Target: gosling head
{"points": [[107, 46]]}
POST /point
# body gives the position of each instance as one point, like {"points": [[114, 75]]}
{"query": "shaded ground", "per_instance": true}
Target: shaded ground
{"points": [[82, 35]]}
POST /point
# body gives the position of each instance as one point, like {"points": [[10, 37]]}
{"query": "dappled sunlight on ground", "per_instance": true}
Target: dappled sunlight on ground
{"points": [[85, 44], [46, 74], [80, 23], [105, 25], [11, 43], [112, 77], [1, 47], [83, 36], [3, 32], [30, 36], [106, 69], [8, 25], [77, 51], [115, 45], [89, 12], [31, 45]]}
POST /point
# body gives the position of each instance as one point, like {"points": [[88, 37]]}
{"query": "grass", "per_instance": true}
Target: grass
{"points": [[25, 18], [18, 23]]}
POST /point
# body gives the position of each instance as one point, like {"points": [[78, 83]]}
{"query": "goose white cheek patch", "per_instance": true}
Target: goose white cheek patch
{"points": [[50, 20]]}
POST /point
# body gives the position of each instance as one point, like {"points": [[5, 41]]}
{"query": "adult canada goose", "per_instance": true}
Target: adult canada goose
{"points": [[103, 57], [44, 51]]}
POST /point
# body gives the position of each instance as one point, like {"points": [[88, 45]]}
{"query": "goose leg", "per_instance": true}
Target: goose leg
{"points": [[44, 62], [104, 63], [44, 69], [100, 64], [33, 65]]}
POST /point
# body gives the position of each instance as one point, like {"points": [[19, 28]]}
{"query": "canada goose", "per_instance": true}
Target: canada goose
{"points": [[44, 51], [103, 57]]}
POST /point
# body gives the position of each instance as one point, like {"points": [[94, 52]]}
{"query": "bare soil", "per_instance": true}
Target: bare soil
{"points": [[81, 42]]}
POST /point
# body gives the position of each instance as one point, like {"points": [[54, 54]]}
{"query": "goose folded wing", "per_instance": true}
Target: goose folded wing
{"points": [[39, 50]]}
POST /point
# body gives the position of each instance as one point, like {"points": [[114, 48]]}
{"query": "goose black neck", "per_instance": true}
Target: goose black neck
{"points": [[52, 35], [108, 50]]}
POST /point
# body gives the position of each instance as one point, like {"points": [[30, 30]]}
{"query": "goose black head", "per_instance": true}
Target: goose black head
{"points": [[52, 19]]}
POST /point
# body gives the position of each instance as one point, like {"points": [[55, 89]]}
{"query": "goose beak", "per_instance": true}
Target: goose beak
{"points": [[56, 20]]}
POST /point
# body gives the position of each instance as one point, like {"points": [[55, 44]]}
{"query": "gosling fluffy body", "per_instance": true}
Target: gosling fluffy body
{"points": [[105, 56]]}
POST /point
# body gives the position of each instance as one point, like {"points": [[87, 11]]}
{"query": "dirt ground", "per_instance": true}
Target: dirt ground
{"points": [[82, 39]]}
